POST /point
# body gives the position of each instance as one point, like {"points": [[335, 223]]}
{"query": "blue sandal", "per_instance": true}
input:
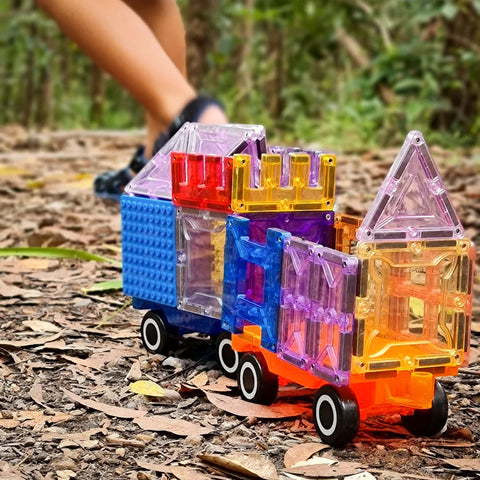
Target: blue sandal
{"points": [[110, 185]]}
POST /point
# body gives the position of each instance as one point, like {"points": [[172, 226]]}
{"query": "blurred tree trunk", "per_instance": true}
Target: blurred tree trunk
{"points": [[29, 78], [65, 63], [243, 60], [9, 70], [97, 94], [201, 37], [43, 97], [43, 85], [274, 85]]}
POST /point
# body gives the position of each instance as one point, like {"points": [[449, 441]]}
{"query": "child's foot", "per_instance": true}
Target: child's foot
{"points": [[200, 109], [111, 185]]}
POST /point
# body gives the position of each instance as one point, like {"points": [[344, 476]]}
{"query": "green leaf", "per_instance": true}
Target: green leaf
{"points": [[116, 284], [476, 6], [55, 252], [449, 10]]}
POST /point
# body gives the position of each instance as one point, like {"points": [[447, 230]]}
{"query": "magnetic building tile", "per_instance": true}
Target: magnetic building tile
{"points": [[148, 249]]}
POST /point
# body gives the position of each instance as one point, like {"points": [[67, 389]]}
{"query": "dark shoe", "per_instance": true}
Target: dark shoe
{"points": [[110, 185], [191, 113]]}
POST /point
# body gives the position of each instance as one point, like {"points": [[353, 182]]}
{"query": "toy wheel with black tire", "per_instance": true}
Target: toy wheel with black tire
{"points": [[336, 415], [430, 421], [227, 358], [153, 332], [256, 383]]}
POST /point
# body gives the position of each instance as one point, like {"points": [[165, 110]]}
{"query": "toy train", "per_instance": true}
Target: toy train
{"points": [[225, 235]]}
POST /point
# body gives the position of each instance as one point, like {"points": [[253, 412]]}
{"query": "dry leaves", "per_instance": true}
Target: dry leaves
{"points": [[319, 467], [241, 408], [111, 410], [147, 388], [182, 473], [161, 423], [252, 465], [302, 452], [38, 298], [465, 464], [9, 291], [30, 343]]}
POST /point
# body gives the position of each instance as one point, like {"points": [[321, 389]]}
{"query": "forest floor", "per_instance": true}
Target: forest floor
{"points": [[68, 357]]}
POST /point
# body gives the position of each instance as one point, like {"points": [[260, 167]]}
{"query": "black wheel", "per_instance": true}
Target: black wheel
{"points": [[336, 415], [228, 358], [256, 383], [154, 334], [432, 420]]}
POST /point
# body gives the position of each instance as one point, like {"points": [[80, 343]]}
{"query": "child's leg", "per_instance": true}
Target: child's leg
{"points": [[119, 40], [164, 19]]}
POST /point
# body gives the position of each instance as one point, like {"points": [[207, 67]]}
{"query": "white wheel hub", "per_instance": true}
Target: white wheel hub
{"points": [[148, 325], [248, 367], [326, 401], [227, 344]]}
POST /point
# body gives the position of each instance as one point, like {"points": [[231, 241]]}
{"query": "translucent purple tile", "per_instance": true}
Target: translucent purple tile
{"points": [[155, 179], [317, 227], [412, 203], [317, 304]]}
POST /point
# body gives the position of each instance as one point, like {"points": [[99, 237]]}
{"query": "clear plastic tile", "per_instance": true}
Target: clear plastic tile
{"points": [[412, 203], [200, 251], [414, 305]]}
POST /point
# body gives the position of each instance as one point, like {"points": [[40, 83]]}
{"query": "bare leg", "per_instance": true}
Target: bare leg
{"points": [[164, 19], [120, 41]]}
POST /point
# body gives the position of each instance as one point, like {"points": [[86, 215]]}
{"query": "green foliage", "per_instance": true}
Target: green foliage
{"points": [[340, 73], [56, 252]]}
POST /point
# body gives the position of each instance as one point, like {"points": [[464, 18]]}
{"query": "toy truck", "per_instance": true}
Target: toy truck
{"points": [[225, 235]]}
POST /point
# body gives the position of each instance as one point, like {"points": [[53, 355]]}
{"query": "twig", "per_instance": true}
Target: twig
{"points": [[113, 315], [186, 369]]}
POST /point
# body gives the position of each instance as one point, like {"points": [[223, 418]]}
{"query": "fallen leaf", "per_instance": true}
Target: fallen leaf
{"points": [[147, 388], [41, 326], [182, 473], [9, 291], [360, 476], [30, 343], [36, 392], [252, 464], [50, 436], [98, 361], [65, 474], [462, 434], [301, 452], [317, 469], [200, 380], [135, 372], [9, 423], [116, 440], [29, 264], [111, 410], [221, 385], [161, 423], [465, 464], [10, 472], [241, 408]]}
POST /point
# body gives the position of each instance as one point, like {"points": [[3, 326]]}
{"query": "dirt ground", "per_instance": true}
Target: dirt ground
{"points": [[68, 357]]}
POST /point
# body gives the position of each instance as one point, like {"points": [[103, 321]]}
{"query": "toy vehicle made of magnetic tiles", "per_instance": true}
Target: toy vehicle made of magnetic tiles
{"points": [[225, 235]]}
